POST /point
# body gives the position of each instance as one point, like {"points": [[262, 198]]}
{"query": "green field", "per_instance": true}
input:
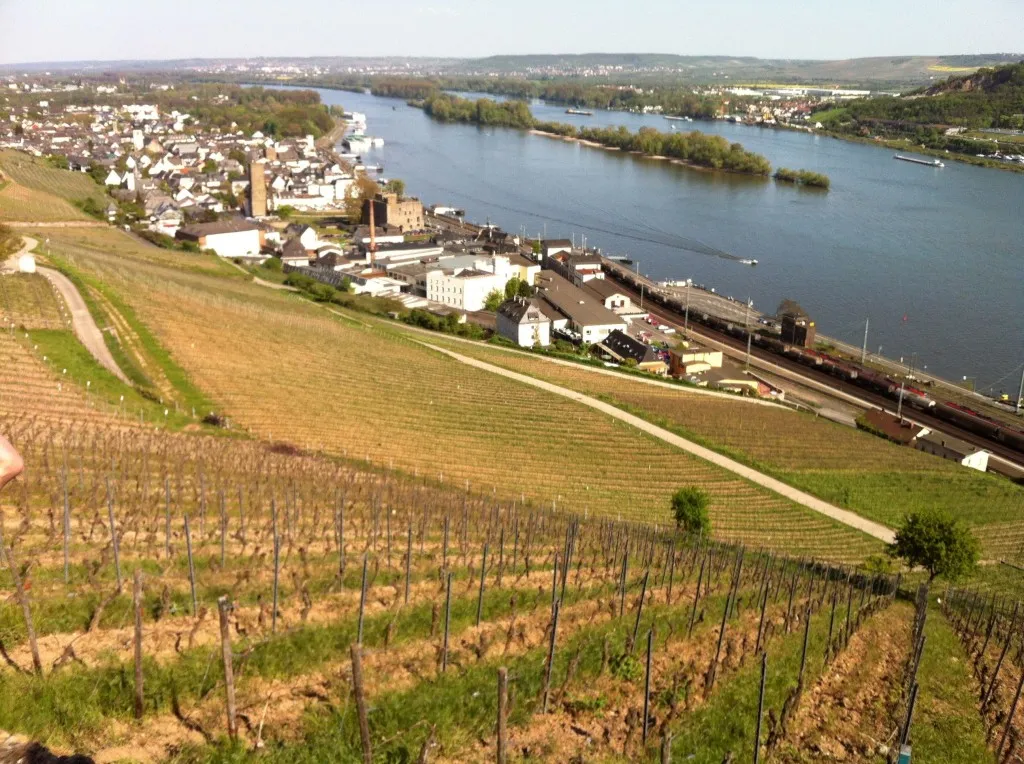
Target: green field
{"points": [[847, 467], [40, 192]]}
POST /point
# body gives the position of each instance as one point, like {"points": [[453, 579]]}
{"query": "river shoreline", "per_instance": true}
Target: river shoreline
{"points": [[658, 157]]}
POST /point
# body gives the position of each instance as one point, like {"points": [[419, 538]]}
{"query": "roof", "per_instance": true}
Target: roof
{"points": [[621, 345], [893, 428], [948, 442], [581, 308], [604, 289], [231, 225], [293, 250], [520, 311]]}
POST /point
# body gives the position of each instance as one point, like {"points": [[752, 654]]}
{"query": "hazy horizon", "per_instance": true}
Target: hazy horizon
{"points": [[116, 30]]}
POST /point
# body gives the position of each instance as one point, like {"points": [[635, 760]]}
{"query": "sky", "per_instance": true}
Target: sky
{"points": [[77, 30]]}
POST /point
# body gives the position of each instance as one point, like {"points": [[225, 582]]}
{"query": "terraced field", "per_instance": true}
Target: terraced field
{"points": [[271, 590], [377, 397], [39, 192], [851, 469]]}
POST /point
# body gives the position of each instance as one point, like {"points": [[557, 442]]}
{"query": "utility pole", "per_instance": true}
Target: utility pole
{"points": [[899, 406], [864, 347], [641, 295], [1020, 393], [746, 326], [686, 315]]}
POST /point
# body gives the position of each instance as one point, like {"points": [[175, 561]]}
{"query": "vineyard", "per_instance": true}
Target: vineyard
{"points": [[283, 369], [200, 599], [302, 536], [849, 468]]}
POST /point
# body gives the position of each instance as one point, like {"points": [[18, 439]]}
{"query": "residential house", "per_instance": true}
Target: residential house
{"points": [[956, 450], [622, 348], [235, 237], [462, 288], [615, 299], [585, 319], [524, 322], [295, 253], [687, 359]]}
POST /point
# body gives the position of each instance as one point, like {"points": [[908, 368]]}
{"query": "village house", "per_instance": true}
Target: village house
{"points": [[235, 237], [583, 318], [524, 322], [622, 348]]}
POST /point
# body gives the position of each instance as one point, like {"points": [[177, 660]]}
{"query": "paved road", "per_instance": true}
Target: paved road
{"points": [[843, 516], [82, 322]]}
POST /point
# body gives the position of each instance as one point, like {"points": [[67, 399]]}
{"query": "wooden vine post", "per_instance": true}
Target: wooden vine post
{"points": [[224, 608], [137, 610], [502, 715], [361, 711]]}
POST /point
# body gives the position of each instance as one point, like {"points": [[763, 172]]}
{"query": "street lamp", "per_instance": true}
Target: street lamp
{"points": [[972, 381]]}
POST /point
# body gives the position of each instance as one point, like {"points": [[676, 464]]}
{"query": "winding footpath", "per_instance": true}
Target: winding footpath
{"points": [[851, 519], [88, 333]]}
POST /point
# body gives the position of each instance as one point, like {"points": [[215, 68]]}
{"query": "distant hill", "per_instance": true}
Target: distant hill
{"points": [[893, 72], [878, 71]]}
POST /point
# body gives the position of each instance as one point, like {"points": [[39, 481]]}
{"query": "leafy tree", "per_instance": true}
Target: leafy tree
{"points": [[690, 508], [524, 289], [209, 166], [630, 363], [395, 186], [937, 542], [494, 300], [285, 212], [512, 287]]}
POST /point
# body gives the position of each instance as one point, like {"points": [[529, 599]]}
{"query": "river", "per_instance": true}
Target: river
{"points": [[933, 257]]}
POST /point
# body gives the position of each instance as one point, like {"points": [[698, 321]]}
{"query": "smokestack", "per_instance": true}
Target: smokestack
{"points": [[373, 235]]}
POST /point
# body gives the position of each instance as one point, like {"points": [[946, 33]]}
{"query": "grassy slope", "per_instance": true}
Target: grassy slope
{"points": [[40, 192], [286, 369], [947, 726], [849, 468]]}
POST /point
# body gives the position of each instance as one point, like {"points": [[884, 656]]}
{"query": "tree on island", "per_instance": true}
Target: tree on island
{"points": [[690, 509], [937, 542]]}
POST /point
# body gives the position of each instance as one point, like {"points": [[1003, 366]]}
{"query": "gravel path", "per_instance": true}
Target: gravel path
{"points": [[82, 322]]}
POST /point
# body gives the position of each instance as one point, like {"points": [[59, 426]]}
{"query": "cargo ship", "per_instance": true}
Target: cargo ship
{"points": [[925, 162], [580, 112]]}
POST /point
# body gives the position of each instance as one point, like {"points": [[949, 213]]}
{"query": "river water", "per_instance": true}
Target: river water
{"points": [[934, 257]]}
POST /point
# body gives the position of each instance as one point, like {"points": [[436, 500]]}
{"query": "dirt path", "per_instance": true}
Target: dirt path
{"points": [[85, 327], [804, 499]]}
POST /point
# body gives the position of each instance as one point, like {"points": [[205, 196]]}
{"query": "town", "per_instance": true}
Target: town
{"points": [[306, 212]]}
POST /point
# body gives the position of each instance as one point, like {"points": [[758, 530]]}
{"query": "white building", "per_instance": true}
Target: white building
{"points": [[951, 448], [524, 322], [464, 288], [228, 238]]}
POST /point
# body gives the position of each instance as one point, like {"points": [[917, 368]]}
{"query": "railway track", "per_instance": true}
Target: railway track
{"points": [[822, 379]]}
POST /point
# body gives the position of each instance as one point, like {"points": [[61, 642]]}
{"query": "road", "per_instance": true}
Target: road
{"points": [[880, 532], [85, 328]]}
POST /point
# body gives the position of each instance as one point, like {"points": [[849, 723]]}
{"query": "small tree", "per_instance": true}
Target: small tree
{"points": [[690, 508], [937, 542], [395, 186], [494, 300]]}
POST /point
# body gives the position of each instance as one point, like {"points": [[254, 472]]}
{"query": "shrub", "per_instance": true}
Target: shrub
{"points": [[690, 509]]}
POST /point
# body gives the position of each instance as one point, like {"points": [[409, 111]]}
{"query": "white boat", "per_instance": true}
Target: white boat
{"points": [[377, 142], [748, 262], [915, 160]]}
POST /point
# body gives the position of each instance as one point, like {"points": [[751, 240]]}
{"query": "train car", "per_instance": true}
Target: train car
{"points": [[916, 398], [967, 418], [879, 383]]}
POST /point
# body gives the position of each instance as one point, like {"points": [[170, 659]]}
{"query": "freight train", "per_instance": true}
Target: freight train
{"points": [[852, 372]]}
